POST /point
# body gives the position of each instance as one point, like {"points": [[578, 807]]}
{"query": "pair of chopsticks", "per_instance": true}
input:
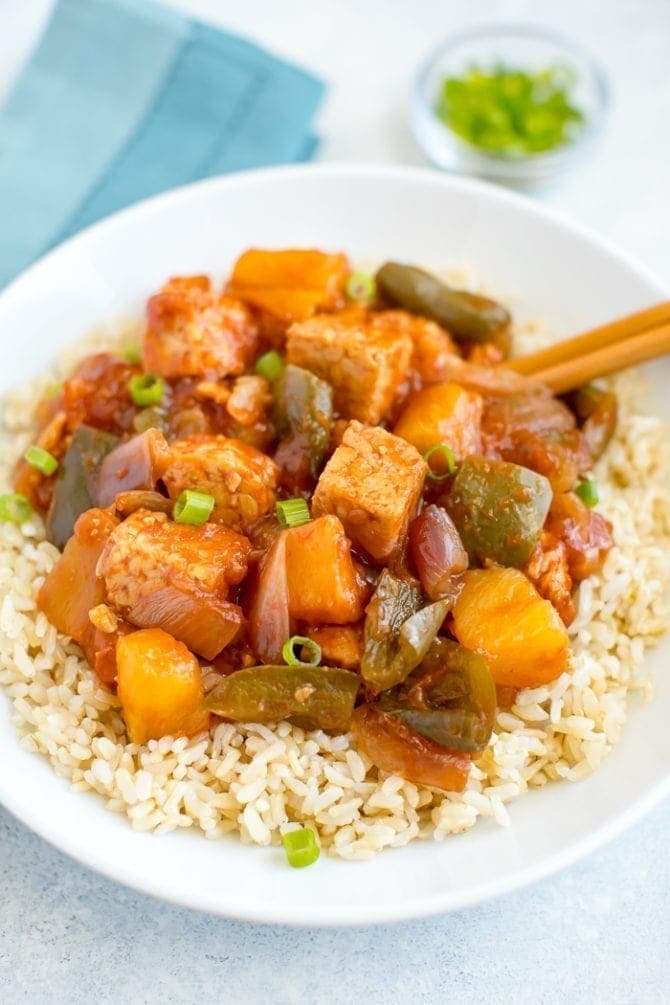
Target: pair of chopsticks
{"points": [[636, 338]]}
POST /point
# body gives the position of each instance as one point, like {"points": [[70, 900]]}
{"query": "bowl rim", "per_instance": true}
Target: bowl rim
{"points": [[29, 813], [423, 174], [423, 114]]}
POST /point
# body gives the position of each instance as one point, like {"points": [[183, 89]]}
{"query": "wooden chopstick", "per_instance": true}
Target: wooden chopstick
{"points": [[589, 342], [580, 370]]}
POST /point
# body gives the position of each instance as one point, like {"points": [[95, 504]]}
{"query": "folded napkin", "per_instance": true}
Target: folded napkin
{"points": [[123, 99]]}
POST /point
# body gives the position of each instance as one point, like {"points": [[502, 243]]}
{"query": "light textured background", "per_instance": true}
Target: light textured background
{"points": [[599, 931]]}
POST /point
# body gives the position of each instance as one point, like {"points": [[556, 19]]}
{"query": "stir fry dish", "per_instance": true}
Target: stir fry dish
{"points": [[323, 491]]}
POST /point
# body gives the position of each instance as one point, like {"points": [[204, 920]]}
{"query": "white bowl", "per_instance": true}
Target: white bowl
{"points": [[560, 271]]}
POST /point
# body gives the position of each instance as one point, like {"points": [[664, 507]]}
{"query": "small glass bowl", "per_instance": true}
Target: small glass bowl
{"points": [[515, 46]]}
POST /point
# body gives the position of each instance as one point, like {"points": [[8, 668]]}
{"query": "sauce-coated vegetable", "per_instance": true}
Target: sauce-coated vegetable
{"points": [[450, 698], [499, 509], [466, 316], [269, 614], [303, 414], [397, 748], [597, 411], [137, 463], [76, 486], [313, 697], [586, 534], [437, 550], [398, 632]]}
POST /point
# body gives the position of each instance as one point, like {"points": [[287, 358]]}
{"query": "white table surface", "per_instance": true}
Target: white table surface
{"points": [[599, 931]]}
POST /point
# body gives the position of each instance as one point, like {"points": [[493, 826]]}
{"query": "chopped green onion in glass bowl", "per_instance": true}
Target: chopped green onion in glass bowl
{"points": [[514, 104]]}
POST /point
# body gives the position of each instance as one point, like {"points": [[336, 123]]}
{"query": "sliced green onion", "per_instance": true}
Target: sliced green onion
{"points": [[132, 353], [146, 389], [588, 492], [301, 847], [53, 390], [193, 507], [360, 287], [14, 508], [41, 459], [270, 365], [301, 642], [292, 512], [511, 111], [444, 451]]}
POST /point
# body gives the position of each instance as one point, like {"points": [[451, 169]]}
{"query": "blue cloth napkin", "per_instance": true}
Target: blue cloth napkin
{"points": [[123, 99]]}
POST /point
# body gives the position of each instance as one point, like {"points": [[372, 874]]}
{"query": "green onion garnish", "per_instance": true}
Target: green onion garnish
{"points": [[14, 508], [193, 507], [588, 492], [132, 353], [41, 459], [53, 390], [146, 389], [510, 111], [270, 365], [292, 512], [301, 642], [444, 451], [301, 847], [360, 287]]}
